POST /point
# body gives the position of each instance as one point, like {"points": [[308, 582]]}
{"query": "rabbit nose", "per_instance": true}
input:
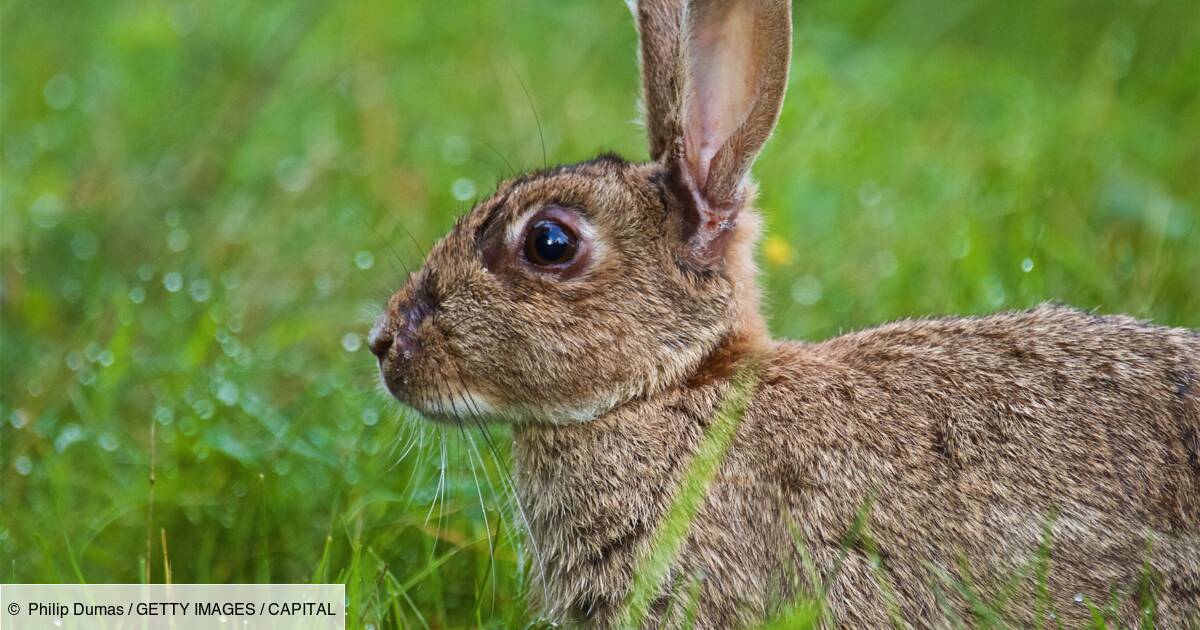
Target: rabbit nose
{"points": [[396, 331], [380, 342]]}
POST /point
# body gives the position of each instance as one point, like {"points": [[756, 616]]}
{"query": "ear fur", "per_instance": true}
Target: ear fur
{"points": [[714, 73], [658, 23]]}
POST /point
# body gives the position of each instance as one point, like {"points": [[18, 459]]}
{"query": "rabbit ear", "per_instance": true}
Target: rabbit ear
{"points": [[714, 73], [658, 23]]}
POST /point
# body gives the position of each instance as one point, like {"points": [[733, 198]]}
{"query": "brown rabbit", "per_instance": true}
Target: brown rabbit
{"points": [[605, 307]]}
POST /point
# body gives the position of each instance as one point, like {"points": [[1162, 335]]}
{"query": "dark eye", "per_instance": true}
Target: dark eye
{"points": [[550, 243]]}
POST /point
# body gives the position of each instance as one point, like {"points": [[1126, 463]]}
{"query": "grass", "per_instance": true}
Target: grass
{"points": [[202, 204]]}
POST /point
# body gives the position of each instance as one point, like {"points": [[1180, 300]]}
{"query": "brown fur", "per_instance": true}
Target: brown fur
{"points": [[969, 435]]}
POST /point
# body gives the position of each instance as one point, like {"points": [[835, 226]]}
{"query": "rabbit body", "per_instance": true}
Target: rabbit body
{"points": [[604, 307], [972, 435]]}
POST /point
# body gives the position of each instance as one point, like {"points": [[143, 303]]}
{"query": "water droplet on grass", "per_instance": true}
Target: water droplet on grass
{"points": [[105, 358], [807, 291], [137, 295], [204, 408], [18, 419], [74, 360], [46, 210], [994, 292], [177, 239], [455, 149], [23, 464], [1027, 265], [108, 442], [293, 174], [227, 394], [370, 417], [70, 434], [351, 342], [84, 245], [323, 283], [364, 260], [463, 189], [164, 416], [59, 91], [200, 290], [173, 281]]}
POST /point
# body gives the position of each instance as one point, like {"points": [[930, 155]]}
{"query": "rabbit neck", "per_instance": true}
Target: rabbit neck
{"points": [[748, 329], [594, 492]]}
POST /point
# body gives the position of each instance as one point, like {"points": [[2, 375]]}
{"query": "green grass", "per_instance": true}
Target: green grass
{"points": [[203, 202]]}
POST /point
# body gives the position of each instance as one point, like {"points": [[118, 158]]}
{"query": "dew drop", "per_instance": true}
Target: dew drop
{"points": [[200, 290], [71, 434], [455, 149], [1027, 265], [23, 464], [59, 91], [204, 408], [46, 210], [164, 416], [323, 283], [105, 358], [364, 260], [108, 442], [173, 281], [1079, 598], [74, 360], [463, 189], [807, 291], [293, 174], [370, 417], [351, 342], [227, 393], [137, 295], [18, 419], [177, 239]]}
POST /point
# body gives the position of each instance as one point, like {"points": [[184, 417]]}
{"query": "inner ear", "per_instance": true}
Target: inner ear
{"points": [[720, 82], [730, 74]]}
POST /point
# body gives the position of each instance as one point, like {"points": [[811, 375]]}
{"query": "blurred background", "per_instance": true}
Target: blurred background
{"points": [[204, 204]]}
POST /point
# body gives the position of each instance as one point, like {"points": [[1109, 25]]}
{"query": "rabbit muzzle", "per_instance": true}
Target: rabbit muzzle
{"points": [[396, 339]]}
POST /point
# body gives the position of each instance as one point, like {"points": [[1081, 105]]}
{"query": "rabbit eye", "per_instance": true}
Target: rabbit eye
{"points": [[550, 243]]}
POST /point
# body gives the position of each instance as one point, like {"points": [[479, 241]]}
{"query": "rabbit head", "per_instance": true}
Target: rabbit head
{"points": [[573, 289]]}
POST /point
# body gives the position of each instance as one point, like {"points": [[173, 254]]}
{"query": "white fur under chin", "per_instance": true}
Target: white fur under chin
{"points": [[469, 405], [465, 404]]}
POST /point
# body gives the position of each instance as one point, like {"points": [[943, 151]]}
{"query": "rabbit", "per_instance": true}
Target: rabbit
{"points": [[605, 309]]}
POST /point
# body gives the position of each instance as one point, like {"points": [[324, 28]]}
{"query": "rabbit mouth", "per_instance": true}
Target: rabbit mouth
{"points": [[454, 407]]}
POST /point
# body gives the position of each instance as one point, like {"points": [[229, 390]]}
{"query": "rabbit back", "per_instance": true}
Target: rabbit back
{"points": [[983, 439]]}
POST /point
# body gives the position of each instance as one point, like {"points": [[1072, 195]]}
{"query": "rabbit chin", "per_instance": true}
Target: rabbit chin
{"points": [[471, 406]]}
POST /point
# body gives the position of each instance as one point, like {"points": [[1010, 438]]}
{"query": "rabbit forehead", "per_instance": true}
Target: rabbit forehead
{"points": [[598, 188]]}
